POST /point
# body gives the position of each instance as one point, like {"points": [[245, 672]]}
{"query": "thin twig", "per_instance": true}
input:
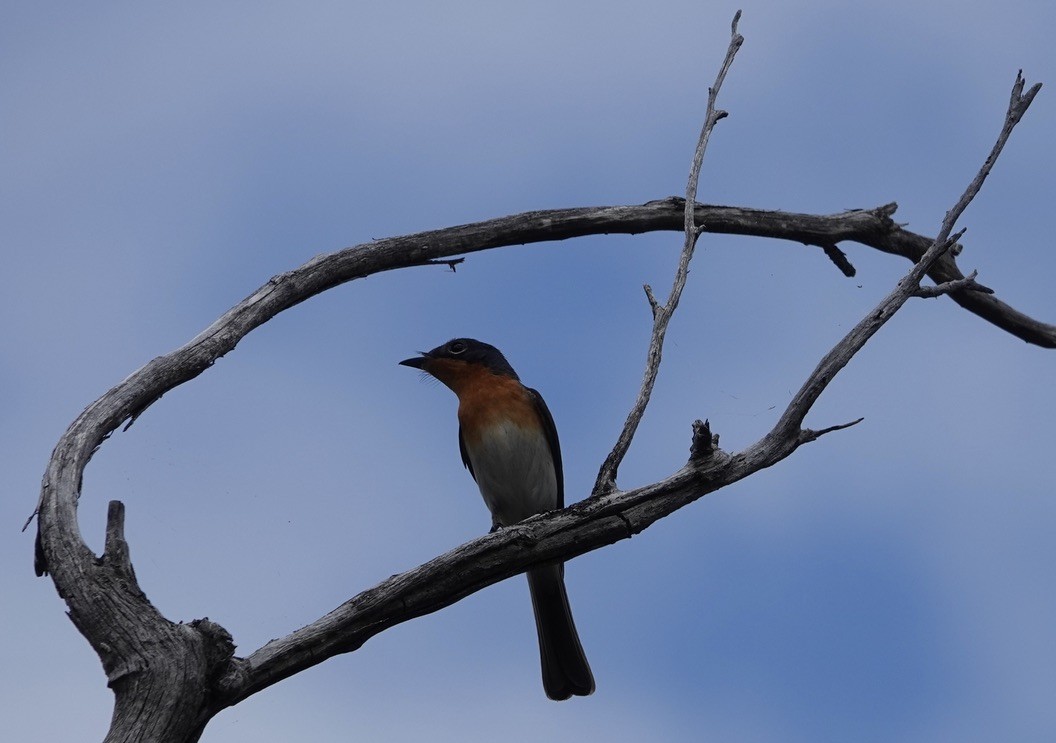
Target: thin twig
{"points": [[808, 435], [451, 263], [968, 283], [662, 313]]}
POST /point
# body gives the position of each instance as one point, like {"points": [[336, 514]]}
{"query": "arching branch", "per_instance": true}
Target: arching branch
{"points": [[78, 576], [170, 678], [603, 518], [126, 401]]}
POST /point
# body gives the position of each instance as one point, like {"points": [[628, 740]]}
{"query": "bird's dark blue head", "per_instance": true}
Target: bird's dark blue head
{"points": [[463, 351]]}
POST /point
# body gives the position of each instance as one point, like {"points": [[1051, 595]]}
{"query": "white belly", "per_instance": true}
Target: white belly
{"points": [[514, 472]]}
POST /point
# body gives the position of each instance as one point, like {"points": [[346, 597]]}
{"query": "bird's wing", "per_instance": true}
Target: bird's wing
{"points": [[550, 430], [464, 453]]}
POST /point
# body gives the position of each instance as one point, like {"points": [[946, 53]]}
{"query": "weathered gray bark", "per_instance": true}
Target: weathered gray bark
{"points": [[170, 679]]}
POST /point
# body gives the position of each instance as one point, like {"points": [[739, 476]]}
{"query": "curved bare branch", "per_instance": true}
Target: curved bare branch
{"points": [[145, 654], [603, 518]]}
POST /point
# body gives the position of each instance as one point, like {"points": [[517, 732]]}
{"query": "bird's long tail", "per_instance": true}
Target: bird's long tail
{"points": [[565, 668]]}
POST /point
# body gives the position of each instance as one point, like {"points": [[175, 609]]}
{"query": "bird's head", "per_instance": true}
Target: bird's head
{"points": [[459, 359]]}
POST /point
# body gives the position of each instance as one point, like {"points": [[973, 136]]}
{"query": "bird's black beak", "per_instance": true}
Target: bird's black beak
{"points": [[418, 362]]}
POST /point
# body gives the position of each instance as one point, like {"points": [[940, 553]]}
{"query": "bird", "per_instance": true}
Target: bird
{"points": [[509, 444]]}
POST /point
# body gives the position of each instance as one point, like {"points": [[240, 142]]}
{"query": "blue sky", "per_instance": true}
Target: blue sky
{"points": [[892, 581]]}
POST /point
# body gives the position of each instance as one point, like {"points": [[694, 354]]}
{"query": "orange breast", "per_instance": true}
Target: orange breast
{"points": [[487, 399], [484, 399]]}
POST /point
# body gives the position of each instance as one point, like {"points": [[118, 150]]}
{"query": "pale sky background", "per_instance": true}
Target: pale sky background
{"points": [[890, 582]]}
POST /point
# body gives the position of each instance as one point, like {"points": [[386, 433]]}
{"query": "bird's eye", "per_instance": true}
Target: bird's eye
{"points": [[457, 347]]}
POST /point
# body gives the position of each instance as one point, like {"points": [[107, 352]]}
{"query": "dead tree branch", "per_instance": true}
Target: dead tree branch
{"points": [[841, 354], [662, 313], [170, 678], [585, 526]]}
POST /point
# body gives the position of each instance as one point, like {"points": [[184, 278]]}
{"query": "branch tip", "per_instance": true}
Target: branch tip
{"points": [[807, 435], [653, 304], [839, 258], [1020, 101]]}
